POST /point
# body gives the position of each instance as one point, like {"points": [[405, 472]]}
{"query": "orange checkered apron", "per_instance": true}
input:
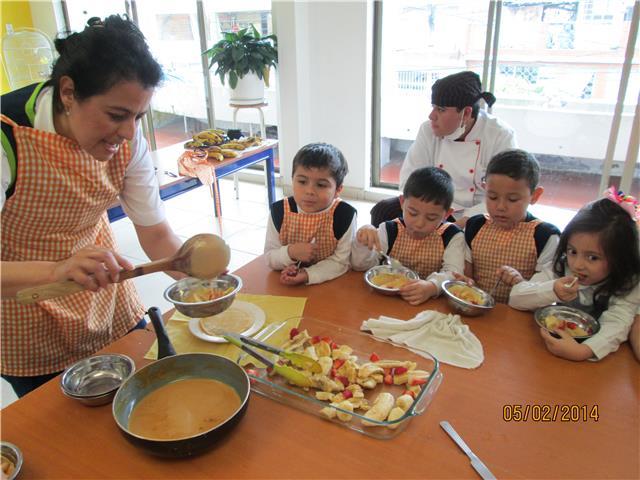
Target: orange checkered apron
{"points": [[423, 256], [58, 207], [494, 247], [303, 227]]}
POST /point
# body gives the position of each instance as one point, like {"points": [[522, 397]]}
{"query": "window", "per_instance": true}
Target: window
{"points": [[558, 72]]}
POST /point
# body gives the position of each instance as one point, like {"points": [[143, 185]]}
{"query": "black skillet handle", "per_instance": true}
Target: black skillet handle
{"points": [[165, 349]]}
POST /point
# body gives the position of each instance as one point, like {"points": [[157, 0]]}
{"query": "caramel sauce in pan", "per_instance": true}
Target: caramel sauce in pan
{"points": [[183, 409]]}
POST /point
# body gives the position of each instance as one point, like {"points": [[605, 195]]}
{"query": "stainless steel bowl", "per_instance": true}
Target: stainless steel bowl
{"points": [[177, 292], [378, 269], [94, 381], [570, 314], [13, 454], [467, 308]]}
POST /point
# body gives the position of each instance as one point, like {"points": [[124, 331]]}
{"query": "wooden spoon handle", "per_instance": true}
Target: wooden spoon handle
{"points": [[32, 295]]}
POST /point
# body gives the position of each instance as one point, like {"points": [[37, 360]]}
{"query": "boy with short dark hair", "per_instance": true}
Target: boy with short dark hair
{"points": [[509, 243], [421, 239], [313, 228]]}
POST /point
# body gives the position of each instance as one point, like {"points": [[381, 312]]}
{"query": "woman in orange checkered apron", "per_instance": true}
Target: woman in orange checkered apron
{"points": [[72, 146]]}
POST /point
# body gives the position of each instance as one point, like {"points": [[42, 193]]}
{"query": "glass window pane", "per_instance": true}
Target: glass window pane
{"points": [[178, 107], [559, 69], [421, 42], [80, 11]]}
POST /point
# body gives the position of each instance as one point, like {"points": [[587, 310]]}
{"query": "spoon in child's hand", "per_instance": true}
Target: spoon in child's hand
{"points": [[495, 287], [571, 283]]}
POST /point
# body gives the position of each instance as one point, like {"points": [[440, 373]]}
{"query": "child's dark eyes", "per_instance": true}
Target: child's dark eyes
{"points": [[593, 258], [117, 118]]}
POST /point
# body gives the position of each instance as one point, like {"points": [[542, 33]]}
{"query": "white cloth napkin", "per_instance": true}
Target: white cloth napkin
{"points": [[442, 335]]}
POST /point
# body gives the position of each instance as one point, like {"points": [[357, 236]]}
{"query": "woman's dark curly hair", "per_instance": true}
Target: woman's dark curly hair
{"points": [[102, 55], [618, 240]]}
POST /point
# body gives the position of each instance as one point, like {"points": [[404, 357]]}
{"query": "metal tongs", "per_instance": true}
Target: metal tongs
{"points": [[299, 360]]}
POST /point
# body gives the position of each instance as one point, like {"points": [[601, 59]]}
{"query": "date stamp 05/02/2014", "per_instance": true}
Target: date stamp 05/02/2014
{"points": [[550, 413]]}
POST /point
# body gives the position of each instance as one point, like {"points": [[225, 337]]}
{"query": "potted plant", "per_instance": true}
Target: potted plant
{"points": [[244, 59]]}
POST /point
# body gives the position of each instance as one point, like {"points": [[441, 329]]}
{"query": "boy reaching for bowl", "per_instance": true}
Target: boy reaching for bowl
{"points": [[508, 243], [422, 240], [314, 228]]}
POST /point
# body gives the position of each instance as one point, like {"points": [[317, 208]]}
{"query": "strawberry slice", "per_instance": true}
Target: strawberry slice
{"points": [[388, 379], [315, 339], [334, 345], [418, 381], [347, 394], [338, 363], [400, 370], [374, 357], [343, 380], [293, 333], [410, 392]]}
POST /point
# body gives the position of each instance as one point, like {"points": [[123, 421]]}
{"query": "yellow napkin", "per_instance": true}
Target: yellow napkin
{"points": [[277, 309]]}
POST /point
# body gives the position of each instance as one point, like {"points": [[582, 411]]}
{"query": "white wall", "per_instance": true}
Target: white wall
{"points": [[325, 81]]}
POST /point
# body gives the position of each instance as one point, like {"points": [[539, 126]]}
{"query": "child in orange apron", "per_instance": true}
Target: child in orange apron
{"points": [[596, 269], [309, 235], [509, 243], [422, 240], [73, 147]]}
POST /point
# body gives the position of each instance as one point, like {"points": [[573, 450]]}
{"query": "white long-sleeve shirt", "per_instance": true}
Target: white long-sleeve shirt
{"points": [[338, 263], [452, 260], [615, 322], [495, 136], [140, 198]]}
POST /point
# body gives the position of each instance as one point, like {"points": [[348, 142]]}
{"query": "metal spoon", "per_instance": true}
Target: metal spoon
{"points": [[203, 256], [392, 262], [495, 287]]}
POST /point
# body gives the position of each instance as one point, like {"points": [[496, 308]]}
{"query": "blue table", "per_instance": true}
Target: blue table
{"points": [[172, 184]]}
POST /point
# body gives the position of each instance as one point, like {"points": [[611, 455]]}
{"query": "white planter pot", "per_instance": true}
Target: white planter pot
{"points": [[248, 91]]}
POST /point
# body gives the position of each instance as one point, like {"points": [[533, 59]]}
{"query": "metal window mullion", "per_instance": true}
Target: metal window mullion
{"points": [[148, 127], [487, 41], [622, 92], [632, 151], [494, 52], [208, 92], [376, 104]]}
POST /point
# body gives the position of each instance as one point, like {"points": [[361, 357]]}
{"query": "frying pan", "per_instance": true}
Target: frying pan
{"points": [[172, 368]]}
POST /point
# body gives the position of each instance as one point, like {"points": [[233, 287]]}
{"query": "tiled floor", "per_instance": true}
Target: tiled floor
{"points": [[242, 225]]}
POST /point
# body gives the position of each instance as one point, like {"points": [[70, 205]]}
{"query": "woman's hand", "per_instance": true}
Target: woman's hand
{"points": [[509, 275], [92, 267], [292, 275], [418, 291], [303, 251], [566, 288], [565, 346], [368, 235]]}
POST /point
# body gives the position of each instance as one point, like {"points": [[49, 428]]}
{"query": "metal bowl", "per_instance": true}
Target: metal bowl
{"points": [[177, 292], [13, 454], [467, 308], [94, 381], [570, 314], [378, 269]]}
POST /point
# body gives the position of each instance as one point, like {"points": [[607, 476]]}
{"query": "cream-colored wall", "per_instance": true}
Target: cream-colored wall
{"points": [[18, 14]]}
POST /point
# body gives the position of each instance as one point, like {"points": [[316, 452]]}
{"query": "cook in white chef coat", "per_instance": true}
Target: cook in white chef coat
{"points": [[460, 138]]}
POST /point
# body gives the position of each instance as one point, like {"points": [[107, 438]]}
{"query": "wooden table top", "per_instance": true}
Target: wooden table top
{"points": [[63, 439]]}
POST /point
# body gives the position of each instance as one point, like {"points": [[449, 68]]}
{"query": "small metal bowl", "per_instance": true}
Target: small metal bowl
{"points": [[378, 269], [569, 314], [177, 292], [467, 308], [13, 454], [94, 381]]}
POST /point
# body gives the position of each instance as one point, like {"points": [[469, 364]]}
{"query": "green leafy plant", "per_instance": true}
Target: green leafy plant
{"points": [[239, 53]]}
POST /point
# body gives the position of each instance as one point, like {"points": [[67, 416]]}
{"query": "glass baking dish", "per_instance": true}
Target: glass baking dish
{"points": [[363, 345]]}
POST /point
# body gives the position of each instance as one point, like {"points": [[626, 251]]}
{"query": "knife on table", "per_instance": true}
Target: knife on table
{"points": [[476, 463]]}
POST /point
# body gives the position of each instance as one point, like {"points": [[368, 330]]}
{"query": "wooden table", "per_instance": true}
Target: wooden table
{"points": [[63, 439], [172, 184]]}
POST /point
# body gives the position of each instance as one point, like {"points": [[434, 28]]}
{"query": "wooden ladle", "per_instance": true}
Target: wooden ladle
{"points": [[203, 256]]}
